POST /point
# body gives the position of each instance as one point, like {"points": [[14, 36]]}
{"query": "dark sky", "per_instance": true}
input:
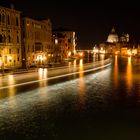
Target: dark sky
{"points": [[92, 20]]}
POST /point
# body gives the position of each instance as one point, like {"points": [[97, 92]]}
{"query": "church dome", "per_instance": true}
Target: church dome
{"points": [[113, 37]]}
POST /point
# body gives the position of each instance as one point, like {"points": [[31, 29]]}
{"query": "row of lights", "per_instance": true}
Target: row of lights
{"points": [[96, 50], [129, 52]]}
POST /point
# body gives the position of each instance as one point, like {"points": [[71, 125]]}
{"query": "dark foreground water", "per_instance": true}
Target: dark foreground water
{"points": [[103, 105]]}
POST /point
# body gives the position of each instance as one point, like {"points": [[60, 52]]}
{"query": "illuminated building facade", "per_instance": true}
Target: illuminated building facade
{"points": [[64, 43], [119, 45], [10, 38], [113, 37], [124, 38], [37, 42]]}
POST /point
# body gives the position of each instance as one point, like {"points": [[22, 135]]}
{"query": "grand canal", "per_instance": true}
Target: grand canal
{"points": [[103, 104]]}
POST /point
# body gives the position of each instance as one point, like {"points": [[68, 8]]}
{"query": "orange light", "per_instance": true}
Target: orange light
{"points": [[69, 54], [81, 54], [129, 52]]}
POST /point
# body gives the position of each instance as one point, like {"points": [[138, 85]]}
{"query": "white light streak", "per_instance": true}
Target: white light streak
{"points": [[54, 77]]}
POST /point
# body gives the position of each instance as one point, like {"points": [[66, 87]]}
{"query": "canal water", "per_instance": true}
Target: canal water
{"points": [[100, 105]]}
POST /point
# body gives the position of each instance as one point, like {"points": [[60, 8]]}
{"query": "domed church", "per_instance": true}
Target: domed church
{"points": [[113, 37]]}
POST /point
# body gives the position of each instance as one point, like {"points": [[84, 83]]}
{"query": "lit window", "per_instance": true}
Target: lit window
{"points": [[56, 41]]}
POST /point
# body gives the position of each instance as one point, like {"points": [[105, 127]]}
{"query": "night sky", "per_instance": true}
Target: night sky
{"points": [[92, 20]]}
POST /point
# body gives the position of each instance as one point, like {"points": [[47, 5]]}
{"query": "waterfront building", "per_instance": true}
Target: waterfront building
{"points": [[37, 42], [124, 38], [139, 50], [118, 45], [64, 43], [113, 37], [10, 38]]}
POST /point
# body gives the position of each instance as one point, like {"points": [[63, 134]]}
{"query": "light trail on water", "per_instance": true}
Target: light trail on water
{"points": [[54, 77]]}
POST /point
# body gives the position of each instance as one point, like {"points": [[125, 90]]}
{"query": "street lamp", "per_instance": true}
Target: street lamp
{"points": [[69, 54], [81, 54], [129, 53], [56, 41]]}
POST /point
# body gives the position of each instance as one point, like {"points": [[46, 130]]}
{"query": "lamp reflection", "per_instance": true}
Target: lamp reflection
{"points": [[12, 91], [116, 71], [129, 74], [102, 56], [11, 81], [74, 67], [81, 85], [42, 73]]}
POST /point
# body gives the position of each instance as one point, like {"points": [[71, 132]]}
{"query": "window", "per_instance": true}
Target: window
{"points": [[37, 35], [18, 59], [8, 20], [4, 39], [28, 24], [24, 49], [0, 17], [23, 34], [0, 38], [23, 22], [33, 48], [9, 39], [17, 21], [17, 39], [3, 18], [69, 40], [5, 59], [18, 51], [38, 46], [38, 26], [10, 51]]}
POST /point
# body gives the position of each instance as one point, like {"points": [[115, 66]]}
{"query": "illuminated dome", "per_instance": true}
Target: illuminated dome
{"points": [[113, 37]]}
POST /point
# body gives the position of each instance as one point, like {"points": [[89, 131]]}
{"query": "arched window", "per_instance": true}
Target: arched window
{"points": [[17, 39], [3, 18], [0, 17], [9, 39], [8, 20], [0, 38], [4, 39], [17, 21]]}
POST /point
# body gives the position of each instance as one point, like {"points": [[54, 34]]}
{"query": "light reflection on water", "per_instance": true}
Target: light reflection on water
{"points": [[56, 91], [51, 111], [42, 74], [129, 78], [11, 81], [116, 71], [102, 56], [81, 84]]}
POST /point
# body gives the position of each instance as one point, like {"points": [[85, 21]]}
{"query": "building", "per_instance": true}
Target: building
{"points": [[118, 45], [64, 43], [113, 37], [37, 42], [124, 38], [10, 38], [138, 50]]}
